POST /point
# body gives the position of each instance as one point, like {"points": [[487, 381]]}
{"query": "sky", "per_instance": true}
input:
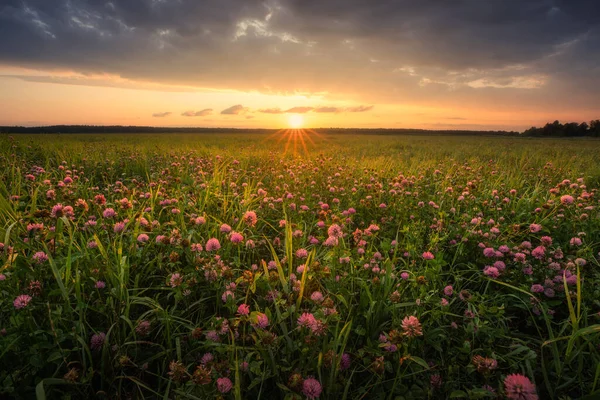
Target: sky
{"points": [[432, 64]]}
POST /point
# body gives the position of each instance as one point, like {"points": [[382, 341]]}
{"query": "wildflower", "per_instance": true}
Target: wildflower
{"points": [[227, 295], [225, 228], [213, 336], [484, 365], [143, 328], [335, 231], [519, 387], [301, 253], [504, 249], [175, 280], [99, 199], [97, 341], [35, 288], [317, 297], [520, 257], [489, 252], [537, 288], [224, 385], [177, 371], [566, 199], [243, 309], [40, 257], [34, 227], [306, 319], [213, 244], [236, 237], [330, 242], [500, 265], [491, 272], [262, 321], [411, 326], [119, 227], [534, 228], [345, 362], [250, 218], [428, 255], [143, 238], [575, 241], [109, 213], [201, 376], [100, 285], [311, 388], [21, 301], [295, 381], [244, 366], [207, 358], [448, 290], [436, 381]]}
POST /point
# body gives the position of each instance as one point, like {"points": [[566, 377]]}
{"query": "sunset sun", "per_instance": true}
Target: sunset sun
{"points": [[295, 121]]}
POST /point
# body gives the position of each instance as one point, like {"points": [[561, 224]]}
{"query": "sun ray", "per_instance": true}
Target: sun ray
{"points": [[309, 138], [301, 136]]}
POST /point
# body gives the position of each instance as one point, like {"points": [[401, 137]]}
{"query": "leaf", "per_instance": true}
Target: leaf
{"points": [[458, 394], [40, 392], [419, 361], [54, 356]]}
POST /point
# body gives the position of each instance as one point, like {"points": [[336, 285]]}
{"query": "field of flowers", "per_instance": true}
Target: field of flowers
{"points": [[329, 267]]}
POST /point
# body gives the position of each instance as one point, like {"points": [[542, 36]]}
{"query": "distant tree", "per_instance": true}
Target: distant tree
{"points": [[594, 129], [570, 129]]}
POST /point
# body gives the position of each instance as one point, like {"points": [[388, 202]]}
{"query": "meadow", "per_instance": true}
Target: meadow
{"points": [[299, 266]]}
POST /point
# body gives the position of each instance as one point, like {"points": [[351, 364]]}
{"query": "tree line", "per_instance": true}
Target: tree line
{"points": [[554, 129], [570, 129]]}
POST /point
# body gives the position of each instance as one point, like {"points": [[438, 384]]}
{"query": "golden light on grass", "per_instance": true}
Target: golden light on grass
{"points": [[295, 121], [297, 141]]}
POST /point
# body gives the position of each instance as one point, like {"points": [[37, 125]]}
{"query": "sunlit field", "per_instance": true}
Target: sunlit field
{"points": [[299, 265]]}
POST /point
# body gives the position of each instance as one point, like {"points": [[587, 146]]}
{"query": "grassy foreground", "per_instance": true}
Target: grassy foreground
{"points": [[299, 266]]}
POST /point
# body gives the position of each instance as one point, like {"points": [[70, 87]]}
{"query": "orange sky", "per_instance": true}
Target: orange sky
{"points": [[356, 64]]}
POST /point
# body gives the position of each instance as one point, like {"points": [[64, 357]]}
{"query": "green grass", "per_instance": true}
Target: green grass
{"points": [[165, 305]]}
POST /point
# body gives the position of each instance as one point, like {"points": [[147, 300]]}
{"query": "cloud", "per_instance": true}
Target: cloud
{"points": [[359, 108], [235, 110], [271, 110], [162, 114], [328, 110], [298, 110], [206, 111], [473, 53]]}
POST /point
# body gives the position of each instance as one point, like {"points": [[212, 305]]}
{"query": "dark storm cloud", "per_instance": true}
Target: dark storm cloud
{"points": [[162, 114], [385, 51], [202, 113], [235, 110]]}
